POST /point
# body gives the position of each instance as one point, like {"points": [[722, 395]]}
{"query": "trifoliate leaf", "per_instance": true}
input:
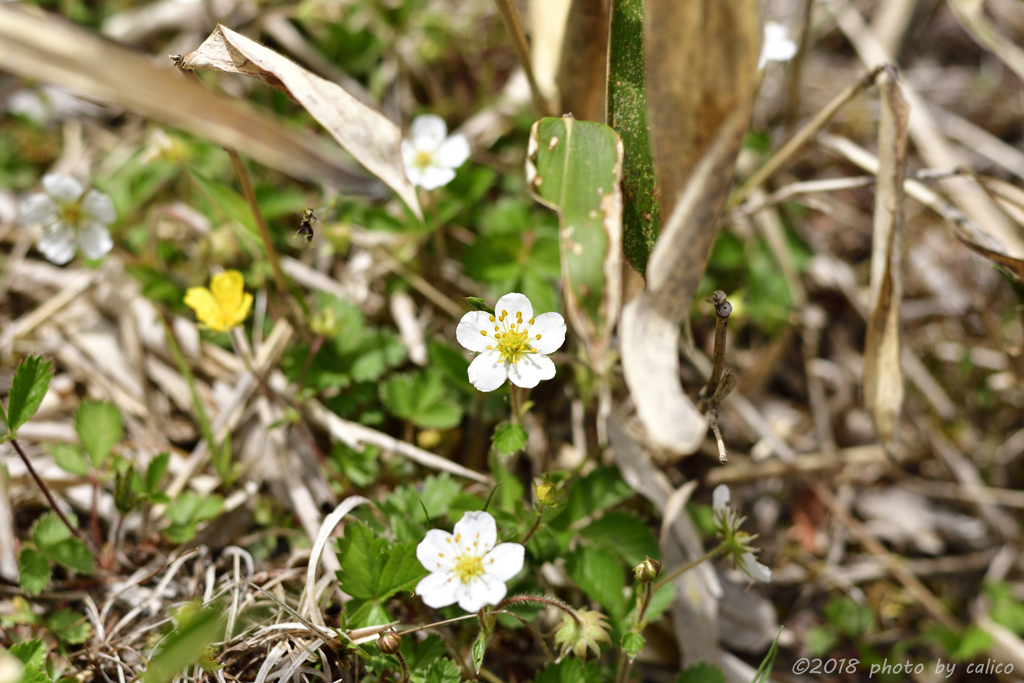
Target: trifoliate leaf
{"points": [[508, 438], [99, 428], [69, 457], [30, 653], [421, 398], [31, 380], [443, 671], [33, 571], [72, 553]]}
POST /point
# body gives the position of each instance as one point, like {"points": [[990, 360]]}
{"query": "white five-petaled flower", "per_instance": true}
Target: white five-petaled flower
{"points": [[69, 219], [777, 46], [466, 566], [736, 542], [512, 343], [430, 155]]}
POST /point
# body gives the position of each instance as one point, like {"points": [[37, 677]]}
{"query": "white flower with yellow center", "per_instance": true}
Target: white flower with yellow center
{"points": [[466, 566], [429, 155], [512, 343], [69, 219]]}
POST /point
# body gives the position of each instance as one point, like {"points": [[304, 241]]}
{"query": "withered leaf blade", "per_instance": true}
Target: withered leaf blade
{"points": [[883, 377], [701, 75], [367, 135], [51, 50]]}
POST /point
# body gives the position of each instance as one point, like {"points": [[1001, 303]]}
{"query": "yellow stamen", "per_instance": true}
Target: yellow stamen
{"points": [[468, 567]]}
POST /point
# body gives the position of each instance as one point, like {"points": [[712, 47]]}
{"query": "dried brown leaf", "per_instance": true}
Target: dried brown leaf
{"points": [[883, 378], [51, 50], [367, 135]]}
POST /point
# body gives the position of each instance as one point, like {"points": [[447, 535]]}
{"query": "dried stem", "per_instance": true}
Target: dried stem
{"points": [[803, 135], [510, 16], [723, 455], [723, 309], [250, 196]]}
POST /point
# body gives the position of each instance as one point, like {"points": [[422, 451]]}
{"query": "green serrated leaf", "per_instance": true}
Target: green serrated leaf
{"points": [[600, 489], [185, 646], [422, 398], [701, 672], [30, 653], [401, 571], [508, 438], [50, 529], [600, 576], [72, 553], [632, 644], [33, 571], [31, 380], [627, 114], [69, 626], [569, 670], [624, 534], [99, 428], [156, 471], [443, 671], [69, 458], [362, 556], [479, 650], [574, 167]]}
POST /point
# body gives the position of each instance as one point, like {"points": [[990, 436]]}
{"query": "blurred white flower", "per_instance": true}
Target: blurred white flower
{"points": [[777, 46], [737, 543], [512, 343], [70, 219], [430, 156], [467, 567]]}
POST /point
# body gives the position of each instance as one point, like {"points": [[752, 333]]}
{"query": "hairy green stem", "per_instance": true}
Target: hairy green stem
{"points": [[543, 600], [691, 565]]}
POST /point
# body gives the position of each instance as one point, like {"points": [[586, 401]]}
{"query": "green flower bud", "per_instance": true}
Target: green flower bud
{"points": [[647, 571], [389, 643], [547, 494]]}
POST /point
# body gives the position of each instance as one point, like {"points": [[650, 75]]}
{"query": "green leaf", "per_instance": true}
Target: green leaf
{"points": [[479, 650], [624, 534], [632, 644], [600, 489], [362, 557], [191, 508], [72, 553], [574, 167], [421, 398], [227, 200], [31, 380], [185, 646], [366, 613], [33, 571], [360, 468], [435, 493], [452, 364], [973, 642], [600, 576], [701, 672], [401, 571], [479, 304], [443, 671], [627, 114], [99, 428], [569, 670], [30, 653], [508, 438], [69, 626], [820, 640], [69, 457], [156, 471], [50, 529], [427, 652], [851, 618]]}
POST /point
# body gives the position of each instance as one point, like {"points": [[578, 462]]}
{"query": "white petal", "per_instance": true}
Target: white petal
{"points": [[95, 239], [99, 206], [38, 208], [412, 172], [514, 303], [530, 370], [427, 132], [470, 327], [57, 244], [505, 561], [777, 46], [435, 551], [487, 372], [720, 499], [434, 177], [62, 187], [479, 593], [477, 532], [438, 590], [414, 175], [453, 152], [551, 328], [754, 569]]}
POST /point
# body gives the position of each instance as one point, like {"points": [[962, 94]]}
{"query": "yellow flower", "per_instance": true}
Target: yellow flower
{"points": [[222, 306]]}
